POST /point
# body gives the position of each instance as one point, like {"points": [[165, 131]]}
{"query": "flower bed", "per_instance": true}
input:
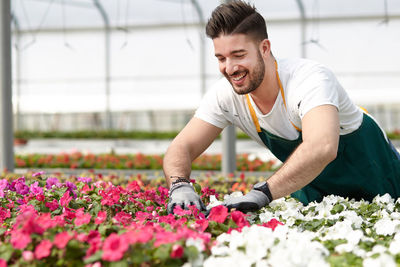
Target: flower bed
{"points": [[245, 162], [49, 220]]}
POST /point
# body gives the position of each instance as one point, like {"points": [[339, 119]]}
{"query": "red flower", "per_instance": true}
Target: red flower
{"points": [[177, 251], [239, 218], [181, 212], [114, 247], [52, 205], [101, 217], [62, 239], [82, 217], [43, 249], [273, 223], [65, 199], [123, 218], [218, 214]]}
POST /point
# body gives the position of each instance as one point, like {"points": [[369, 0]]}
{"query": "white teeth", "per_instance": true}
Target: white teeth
{"points": [[238, 78]]}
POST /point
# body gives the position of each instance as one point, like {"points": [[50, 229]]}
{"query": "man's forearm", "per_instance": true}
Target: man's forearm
{"points": [[303, 166], [177, 163]]}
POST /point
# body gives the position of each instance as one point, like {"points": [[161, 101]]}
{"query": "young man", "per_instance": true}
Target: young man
{"points": [[294, 107]]}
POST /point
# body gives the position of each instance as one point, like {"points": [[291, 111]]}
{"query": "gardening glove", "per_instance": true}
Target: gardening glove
{"points": [[257, 198], [183, 194]]}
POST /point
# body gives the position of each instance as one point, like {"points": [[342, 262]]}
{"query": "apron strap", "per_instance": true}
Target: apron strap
{"points": [[253, 113]]}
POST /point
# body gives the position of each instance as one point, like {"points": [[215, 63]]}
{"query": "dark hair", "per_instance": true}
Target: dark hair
{"points": [[236, 17]]}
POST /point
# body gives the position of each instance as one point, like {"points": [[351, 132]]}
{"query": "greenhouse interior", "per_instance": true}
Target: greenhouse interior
{"points": [[93, 93]]}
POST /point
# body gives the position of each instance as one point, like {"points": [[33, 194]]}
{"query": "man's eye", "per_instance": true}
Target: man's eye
{"points": [[240, 56], [221, 59]]}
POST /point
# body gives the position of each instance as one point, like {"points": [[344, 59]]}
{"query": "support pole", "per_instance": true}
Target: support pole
{"points": [[6, 115], [303, 28], [107, 62], [228, 144]]}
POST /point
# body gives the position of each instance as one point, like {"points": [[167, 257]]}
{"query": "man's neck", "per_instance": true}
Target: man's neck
{"points": [[265, 95]]}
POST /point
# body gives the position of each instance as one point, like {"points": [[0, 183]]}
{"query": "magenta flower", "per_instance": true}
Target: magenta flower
{"points": [[82, 217], [52, 181], [38, 173], [114, 247], [3, 185], [61, 240], [19, 186], [218, 214], [71, 187], [200, 225], [43, 249], [36, 189], [84, 179]]}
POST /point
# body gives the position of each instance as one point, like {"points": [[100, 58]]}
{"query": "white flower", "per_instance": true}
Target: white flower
{"points": [[385, 199], [394, 247], [197, 243], [213, 202], [385, 226], [384, 260]]}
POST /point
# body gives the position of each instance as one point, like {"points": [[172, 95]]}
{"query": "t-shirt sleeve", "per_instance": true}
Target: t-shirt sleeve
{"points": [[210, 109], [317, 87]]}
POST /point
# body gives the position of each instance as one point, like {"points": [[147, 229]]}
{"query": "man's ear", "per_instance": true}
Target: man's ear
{"points": [[265, 47]]}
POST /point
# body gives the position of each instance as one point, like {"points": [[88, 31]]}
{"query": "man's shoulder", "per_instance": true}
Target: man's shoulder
{"points": [[293, 65]]}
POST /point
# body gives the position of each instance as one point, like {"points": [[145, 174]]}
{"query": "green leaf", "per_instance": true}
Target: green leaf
{"points": [[191, 252], [122, 263], [95, 257], [6, 251], [162, 252], [337, 208], [197, 188]]}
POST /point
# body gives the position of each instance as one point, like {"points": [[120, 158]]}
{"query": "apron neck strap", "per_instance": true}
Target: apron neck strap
{"points": [[252, 111]]}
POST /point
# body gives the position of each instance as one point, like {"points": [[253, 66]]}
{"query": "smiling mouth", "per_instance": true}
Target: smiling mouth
{"points": [[239, 77]]}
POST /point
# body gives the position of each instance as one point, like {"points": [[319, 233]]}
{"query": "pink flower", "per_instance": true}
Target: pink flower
{"points": [[273, 223], [239, 218], [20, 240], [3, 263], [114, 247], [123, 218], [200, 225], [62, 239], [36, 189], [52, 205], [218, 214], [101, 217], [181, 212], [43, 249], [82, 217], [65, 199], [37, 173], [4, 214], [27, 255], [177, 251]]}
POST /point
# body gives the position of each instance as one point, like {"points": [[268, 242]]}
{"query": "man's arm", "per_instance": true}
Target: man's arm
{"points": [[193, 140], [320, 128]]}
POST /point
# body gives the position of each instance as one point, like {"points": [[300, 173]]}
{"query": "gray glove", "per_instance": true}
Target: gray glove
{"points": [[257, 198], [184, 195]]}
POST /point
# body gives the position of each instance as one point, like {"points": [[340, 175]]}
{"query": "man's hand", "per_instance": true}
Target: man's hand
{"points": [[184, 195], [257, 198]]}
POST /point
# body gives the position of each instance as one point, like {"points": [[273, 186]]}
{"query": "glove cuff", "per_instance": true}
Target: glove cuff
{"points": [[263, 187], [179, 185]]}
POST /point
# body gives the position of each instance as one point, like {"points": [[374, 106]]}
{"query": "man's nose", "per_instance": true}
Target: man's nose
{"points": [[230, 67]]}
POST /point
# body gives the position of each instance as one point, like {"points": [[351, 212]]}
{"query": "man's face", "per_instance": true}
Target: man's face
{"points": [[240, 61]]}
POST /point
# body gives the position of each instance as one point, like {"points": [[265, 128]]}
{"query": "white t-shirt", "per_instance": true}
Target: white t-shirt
{"points": [[306, 85]]}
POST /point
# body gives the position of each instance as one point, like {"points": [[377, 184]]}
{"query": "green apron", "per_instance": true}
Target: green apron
{"points": [[366, 164]]}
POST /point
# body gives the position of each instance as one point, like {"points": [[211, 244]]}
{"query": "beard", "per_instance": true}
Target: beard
{"points": [[255, 78]]}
